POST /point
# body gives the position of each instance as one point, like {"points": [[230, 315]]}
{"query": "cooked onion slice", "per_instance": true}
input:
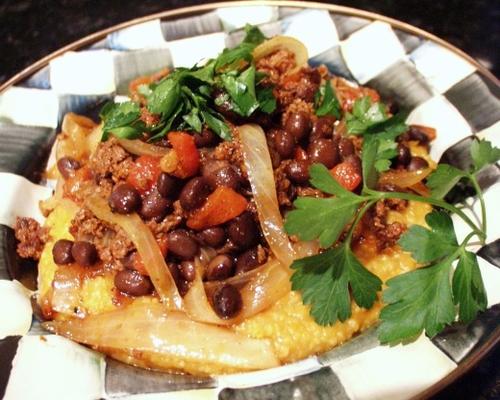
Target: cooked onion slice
{"points": [[261, 177], [282, 43], [196, 303], [140, 148], [73, 141], [145, 244], [402, 178], [151, 328]]}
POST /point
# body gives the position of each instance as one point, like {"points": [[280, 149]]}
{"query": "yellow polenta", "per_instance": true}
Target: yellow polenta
{"points": [[287, 324]]}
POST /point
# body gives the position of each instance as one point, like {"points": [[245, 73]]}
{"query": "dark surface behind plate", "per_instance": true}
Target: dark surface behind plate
{"points": [[472, 26]]}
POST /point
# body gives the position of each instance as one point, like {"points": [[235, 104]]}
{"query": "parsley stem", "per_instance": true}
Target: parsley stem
{"points": [[435, 202], [479, 193], [359, 215]]}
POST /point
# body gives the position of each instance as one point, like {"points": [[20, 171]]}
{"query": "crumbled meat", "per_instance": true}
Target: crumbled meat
{"points": [[301, 85], [149, 118], [397, 204], [386, 234], [112, 243], [276, 65], [298, 105], [170, 222], [306, 191], [229, 151], [31, 237], [283, 185], [110, 161]]}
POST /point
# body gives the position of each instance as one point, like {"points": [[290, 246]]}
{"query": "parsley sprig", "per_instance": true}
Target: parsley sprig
{"points": [[421, 300], [183, 100]]}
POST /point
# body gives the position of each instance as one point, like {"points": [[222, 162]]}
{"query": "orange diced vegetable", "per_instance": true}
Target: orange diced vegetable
{"points": [[144, 173], [347, 174], [187, 153], [221, 206]]}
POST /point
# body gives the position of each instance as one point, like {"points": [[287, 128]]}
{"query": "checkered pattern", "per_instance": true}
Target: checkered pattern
{"points": [[439, 87]]}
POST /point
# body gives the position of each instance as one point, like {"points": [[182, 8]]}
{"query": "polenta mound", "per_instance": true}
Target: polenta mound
{"points": [[287, 324]]}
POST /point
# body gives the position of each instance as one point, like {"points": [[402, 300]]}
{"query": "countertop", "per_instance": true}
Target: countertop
{"points": [[31, 29]]}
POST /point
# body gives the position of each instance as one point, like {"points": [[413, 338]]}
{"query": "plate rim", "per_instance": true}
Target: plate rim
{"points": [[494, 339]]}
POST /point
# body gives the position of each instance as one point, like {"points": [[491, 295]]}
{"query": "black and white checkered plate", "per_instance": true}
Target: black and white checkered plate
{"points": [[443, 89]]}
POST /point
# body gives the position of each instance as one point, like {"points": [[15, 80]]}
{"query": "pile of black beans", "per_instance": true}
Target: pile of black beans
{"points": [[315, 140], [236, 241], [318, 145]]}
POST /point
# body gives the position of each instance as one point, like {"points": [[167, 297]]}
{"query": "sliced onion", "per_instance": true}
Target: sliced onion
{"points": [[260, 174], [140, 148], [196, 303], [145, 244], [306, 249], [73, 140], [282, 43], [152, 329], [402, 178]]}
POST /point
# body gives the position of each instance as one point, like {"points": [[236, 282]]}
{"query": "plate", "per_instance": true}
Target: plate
{"points": [[445, 89]]}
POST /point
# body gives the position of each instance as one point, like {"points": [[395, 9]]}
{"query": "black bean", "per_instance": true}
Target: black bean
{"points": [[181, 244], [61, 252], [243, 231], [417, 163], [180, 282], [227, 301], [133, 283], [307, 87], [219, 268], [206, 138], [188, 270], [213, 237], [67, 166], [298, 171], [221, 173], [84, 253], [323, 127], [298, 124], [154, 206], [418, 135], [404, 155], [284, 143], [124, 199], [346, 147], [194, 193], [323, 151], [247, 261], [167, 185]]}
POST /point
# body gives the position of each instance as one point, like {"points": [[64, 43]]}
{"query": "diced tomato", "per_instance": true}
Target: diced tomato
{"points": [[144, 173], [137, 263], [221, 206], [347, 174], [187, 153]]}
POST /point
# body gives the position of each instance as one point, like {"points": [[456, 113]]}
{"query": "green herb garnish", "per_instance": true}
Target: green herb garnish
{"points": [[326, 102], [417, 301], [183, 99]]}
